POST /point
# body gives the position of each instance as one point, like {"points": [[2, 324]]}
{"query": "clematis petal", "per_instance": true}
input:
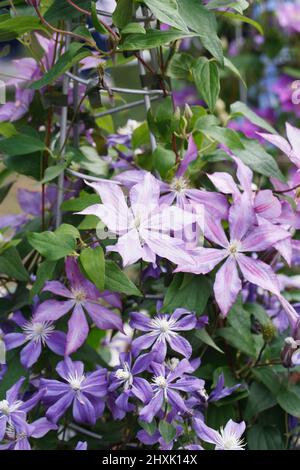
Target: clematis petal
{"points": [[224, 183], [30, 354], [206, 433], [78, 330], [154, 406], [129, 247], [214, 231], [244, 174], [263, 237], [57, 288], [267, 205], [104, 318], [227, 285], [55, 412], [180, 345], [241, 217], [258, 273], [53, 309]]}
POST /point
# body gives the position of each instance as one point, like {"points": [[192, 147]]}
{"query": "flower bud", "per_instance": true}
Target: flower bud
{"points": [[268, 331]]}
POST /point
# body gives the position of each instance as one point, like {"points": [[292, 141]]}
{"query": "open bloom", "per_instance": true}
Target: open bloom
{"points": [[244, 237], [82, 296], [18, 439], [145, 228], [166, 384], [161, 330], [125, 376], [229, 438], [85, 392], [13, 410], [35, 335]]}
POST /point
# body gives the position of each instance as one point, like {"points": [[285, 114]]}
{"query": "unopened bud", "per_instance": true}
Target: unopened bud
{"points": [[188, 112], [268, 331]]}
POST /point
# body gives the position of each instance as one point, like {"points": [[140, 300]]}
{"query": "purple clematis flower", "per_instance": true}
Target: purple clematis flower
{"points": [[244, 237], [125, 376], [85, 392], [290, 147], [144, 228], [165, 387], [163, 330], [81, 296], [13, 410], [18, 439], [14, 110], [229, 438], [221, 391], [35, 335]]}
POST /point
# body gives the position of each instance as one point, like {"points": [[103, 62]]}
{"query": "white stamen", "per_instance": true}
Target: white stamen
{"points": [[79, 295], [6, 408], [125, 376], [179, 185], [234, 248], [231, 441], [163, 325], [160, 381], [75, 380], [38, 331]]}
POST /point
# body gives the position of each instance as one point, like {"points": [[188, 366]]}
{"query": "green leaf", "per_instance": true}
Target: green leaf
{"points": [[167, 431], [264, 438], [79, 203], [207, 79], [11, 265], [123, 13], [258, 159], [117, 281], [241, 109], [230, 66], [269, 377], [62, 10], [96, 23], [260, 399], [187, 291], [44, 273], [181, 66], [21, 144], [259, 313], [222, 135], [53, 172], [203, 22], [7, 129], [14, 27], [152, 38], [207, 339], [289, 402], [244, 19], [238, 5], [167, 12], [72, 56], [93, 263], [163, 160], [51, 245], [134, 28], [67, 229]]}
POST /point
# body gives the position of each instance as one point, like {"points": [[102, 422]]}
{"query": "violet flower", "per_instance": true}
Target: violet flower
{"points": [[35, 334], [166, 384], [82, 296], [14, 110], [81, 445], [144, 228], [125, 376], [19, 439], [13, 410], [290, 147], [229, 438], [244, 237], [163, 330], [85, 392]]}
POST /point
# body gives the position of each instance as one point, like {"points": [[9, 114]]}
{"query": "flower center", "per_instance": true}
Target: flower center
{"points": [[4, 407], [162, 324], [123, 374], [79, 295], [179, 184], [160, 381], [230, 441], [233, 248], [38, 331], [75, 380]]}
